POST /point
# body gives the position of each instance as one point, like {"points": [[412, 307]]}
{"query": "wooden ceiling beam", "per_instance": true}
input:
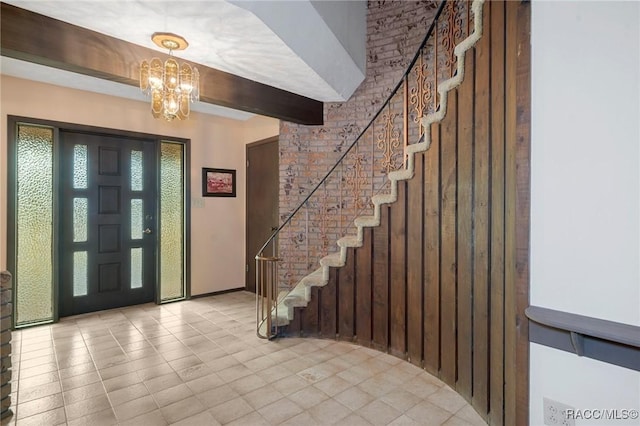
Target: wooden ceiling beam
{"points": [[36, 38]]}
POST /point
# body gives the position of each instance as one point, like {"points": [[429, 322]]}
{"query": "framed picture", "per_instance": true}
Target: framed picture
{"points": [[218, 182]]}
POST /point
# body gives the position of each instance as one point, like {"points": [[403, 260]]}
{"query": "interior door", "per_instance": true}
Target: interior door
{"points": [[263, 186], [107, 216]]}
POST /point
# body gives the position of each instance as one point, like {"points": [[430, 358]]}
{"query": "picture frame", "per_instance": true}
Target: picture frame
{"points": [[218, 182]]}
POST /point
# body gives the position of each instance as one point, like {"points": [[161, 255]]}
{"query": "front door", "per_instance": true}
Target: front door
{"points": [[107, 222]]}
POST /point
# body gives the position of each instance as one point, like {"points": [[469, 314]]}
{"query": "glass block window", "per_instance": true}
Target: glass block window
{"points": [[80, 216], [137, 171], [136, 219], [34, 225], [136, 267], [80, 268], [171, 221], [80, 180]]}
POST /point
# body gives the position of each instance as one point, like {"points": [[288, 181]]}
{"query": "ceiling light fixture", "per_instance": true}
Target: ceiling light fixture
{"points": [[172, 87]]}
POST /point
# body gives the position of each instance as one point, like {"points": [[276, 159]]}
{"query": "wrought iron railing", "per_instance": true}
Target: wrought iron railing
{"points": [[326, 214]]}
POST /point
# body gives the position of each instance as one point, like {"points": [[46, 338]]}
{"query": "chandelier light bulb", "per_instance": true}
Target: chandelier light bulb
{"points": [[171, 86]]}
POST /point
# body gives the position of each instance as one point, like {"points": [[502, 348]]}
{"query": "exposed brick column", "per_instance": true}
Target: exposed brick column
{"points": [[6, 311]]}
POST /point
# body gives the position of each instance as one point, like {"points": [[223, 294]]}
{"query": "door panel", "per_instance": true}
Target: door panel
{"points": [[108, 216], [263, 187]]}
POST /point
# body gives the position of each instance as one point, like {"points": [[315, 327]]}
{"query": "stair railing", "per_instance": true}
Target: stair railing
{"points": [[326, 214]]}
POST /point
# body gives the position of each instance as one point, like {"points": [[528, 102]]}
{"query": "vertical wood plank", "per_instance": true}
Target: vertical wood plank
{"points": [[511, 47], [363, 289], [329, 306], [496, 333], [380, 304], [482, 156], [448, 206], [523, 208], [346, 297], [415, 241], [432, 254], [398, 274], [310, 314], [465, 227]]}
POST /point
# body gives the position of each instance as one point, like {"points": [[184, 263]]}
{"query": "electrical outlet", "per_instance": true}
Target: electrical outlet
{"points": [[555, 413]]}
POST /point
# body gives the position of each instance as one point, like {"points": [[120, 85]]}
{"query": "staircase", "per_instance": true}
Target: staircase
{"points": [[282, 308]]}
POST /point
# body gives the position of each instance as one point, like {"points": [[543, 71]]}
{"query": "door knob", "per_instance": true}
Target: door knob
{"points": [[146, 231]]}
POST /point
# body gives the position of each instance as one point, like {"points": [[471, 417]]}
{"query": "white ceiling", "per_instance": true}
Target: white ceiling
{"points": [[221, 35]]}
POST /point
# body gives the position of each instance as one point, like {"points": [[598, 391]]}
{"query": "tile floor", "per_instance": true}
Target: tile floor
{"points": [[198, 362]]}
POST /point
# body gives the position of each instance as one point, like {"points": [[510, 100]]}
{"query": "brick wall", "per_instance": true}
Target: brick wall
{"points": [[395, 30]]}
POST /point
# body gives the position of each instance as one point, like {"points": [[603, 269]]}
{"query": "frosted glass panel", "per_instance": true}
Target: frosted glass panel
{"points": [[80, 212], [80, 273], [34, 220], [80, 166], [136, 171], [171, 218], [136, 267], [136, 219]]}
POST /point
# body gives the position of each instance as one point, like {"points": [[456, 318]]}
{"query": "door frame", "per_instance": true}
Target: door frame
{"points": [[12, 123], [250, 257]]}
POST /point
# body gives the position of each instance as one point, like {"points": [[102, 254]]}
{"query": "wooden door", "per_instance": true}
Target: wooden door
{"points": [[107, 222], [263, 185]]}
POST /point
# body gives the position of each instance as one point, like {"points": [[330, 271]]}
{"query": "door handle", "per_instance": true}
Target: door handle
{"points": [[147, 231]]}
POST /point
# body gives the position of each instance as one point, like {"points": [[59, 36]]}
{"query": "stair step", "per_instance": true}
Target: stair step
{"points": [[333, 259], [366, 221]]}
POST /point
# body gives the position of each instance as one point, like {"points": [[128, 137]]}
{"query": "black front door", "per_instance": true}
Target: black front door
{"points": [[107, 216]]}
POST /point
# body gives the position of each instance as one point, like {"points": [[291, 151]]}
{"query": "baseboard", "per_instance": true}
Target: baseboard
{"points": [[217, 293]]}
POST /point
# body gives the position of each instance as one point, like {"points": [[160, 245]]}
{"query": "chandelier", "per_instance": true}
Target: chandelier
{"points": [[172, 87]]}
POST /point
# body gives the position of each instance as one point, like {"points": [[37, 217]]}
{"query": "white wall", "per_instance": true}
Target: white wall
{"points": [[217, 224], [585, 200]]}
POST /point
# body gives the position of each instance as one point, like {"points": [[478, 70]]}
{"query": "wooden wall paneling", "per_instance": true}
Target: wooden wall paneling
{"points": [[364, 261], [329, 306], [496, 332], [448, 206], [432, 254], [310, 320], [380, 304], [523, 208], [347, 298], [398, 273], [294, 328], [415, 257], [465, 228], [481, 207]]}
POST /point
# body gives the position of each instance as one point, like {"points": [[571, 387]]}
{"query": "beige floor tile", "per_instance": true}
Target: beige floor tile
{"points": [[84, 392], [87, 406], [231, 410], [165, 381], [456, 421], [274, 373], [329, 412], [185, 362], [262, 396], [308, 397], [468, 414], [129, 393], [135, 407], [303, 418], [154, 371], [200, 419], [217, 396], [26, 394], [428, 413], [447, 399], [205, 383], [76, 370], [38, 406], [247, 384], [51, 417], [80, 380], [354, 398], [152, 418], [354, 420], [182, 409], [280, 411], [290, 384], [174, 394], [121, 382], [101, 418], [252, 419], [379, 413], [405, 420], [333, 385], [195, 372]]}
